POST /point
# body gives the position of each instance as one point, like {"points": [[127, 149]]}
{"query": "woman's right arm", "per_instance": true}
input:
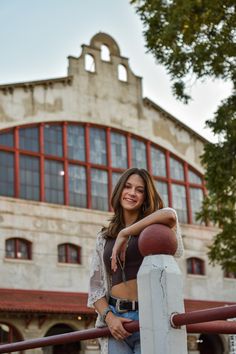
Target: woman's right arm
{"points": [[98, 291], [114, 323]]}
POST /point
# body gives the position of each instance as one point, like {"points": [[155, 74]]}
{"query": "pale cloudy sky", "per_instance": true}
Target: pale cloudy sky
{"points": [[37, 36]]}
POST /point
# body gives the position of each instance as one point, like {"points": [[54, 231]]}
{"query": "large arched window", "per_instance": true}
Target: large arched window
{"points": [[78, 164], [18, 248]]}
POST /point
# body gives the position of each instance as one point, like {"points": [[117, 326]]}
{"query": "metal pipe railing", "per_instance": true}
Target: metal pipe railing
{"points": [[213, 314], [64, 338], [213, 327]]}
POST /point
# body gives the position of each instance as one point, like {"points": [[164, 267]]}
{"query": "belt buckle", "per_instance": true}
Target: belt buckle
{"points": [[118, 301], [133, 305]]}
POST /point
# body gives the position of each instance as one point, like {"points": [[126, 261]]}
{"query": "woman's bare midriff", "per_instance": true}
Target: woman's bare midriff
{"points": [[127, 290]]}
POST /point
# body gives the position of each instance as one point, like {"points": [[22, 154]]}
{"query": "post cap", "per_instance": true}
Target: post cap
{"points": [[157, 239]]}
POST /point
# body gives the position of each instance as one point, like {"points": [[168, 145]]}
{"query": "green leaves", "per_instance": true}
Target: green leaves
{"points": [[220, 163], [197, 38], [190, 37]]}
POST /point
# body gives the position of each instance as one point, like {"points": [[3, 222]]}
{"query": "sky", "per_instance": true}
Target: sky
{"points": [[36, 37]]}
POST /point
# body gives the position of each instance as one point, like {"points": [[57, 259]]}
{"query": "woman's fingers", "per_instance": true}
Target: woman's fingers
{"points": [[119, 247], [116, 328], [123, 320]]}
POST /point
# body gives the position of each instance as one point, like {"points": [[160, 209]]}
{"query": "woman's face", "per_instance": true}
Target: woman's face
{"points": [[133, 194]]}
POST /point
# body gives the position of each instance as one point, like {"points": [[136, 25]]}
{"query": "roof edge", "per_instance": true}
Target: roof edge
{"points": [[149, 102], [47, 82]]}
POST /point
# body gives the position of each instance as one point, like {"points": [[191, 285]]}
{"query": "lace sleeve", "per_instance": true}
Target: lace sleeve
{"points": [[180, 248], [98, 280]]}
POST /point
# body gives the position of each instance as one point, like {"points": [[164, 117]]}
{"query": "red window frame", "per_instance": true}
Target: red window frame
{"points": [[16, 243], [67, 247], [194, 264]]}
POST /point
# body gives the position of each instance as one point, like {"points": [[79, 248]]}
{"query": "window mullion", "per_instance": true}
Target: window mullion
{"points": [[187, 192], [108, 146], [66, 172], [168, 178], [148, 156], [67, 253], [88, 166], [17, 165], [129, 151], [41, 170], [16, 247]]}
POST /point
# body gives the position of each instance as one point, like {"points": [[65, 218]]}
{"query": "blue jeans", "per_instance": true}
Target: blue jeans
{"points": [[131, 344]]}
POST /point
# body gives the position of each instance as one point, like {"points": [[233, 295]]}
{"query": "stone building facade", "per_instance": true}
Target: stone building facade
{"points": [[63, 144]]}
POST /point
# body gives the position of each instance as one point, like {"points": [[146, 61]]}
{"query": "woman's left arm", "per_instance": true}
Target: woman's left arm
{"points": [[162, 216]]}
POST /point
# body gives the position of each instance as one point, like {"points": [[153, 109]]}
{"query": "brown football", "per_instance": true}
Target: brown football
{"points": [[157, 239]]}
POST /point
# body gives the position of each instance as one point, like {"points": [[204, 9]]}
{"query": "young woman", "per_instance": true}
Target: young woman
{"points": [[116, 261]]}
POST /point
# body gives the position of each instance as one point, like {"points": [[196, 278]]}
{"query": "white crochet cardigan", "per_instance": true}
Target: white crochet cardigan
{"points": [[99, 279]]}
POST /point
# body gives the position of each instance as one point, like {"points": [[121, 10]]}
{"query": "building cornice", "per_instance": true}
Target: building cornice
{"points": [[29, 85]]}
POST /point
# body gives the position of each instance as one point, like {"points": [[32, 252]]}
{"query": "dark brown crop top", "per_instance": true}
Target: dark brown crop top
{"points": [[133, 260]]}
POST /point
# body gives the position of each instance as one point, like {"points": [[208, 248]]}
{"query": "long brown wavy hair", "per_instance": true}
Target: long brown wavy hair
{"points": [[152, 201]]}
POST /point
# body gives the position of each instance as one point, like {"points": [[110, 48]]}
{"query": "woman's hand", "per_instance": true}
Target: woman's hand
{"points": [[119, 248], [115, 325]]}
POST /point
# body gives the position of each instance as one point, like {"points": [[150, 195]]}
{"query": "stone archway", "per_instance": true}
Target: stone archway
{"points": [[9, 334], [210, 344], [69, 348]]}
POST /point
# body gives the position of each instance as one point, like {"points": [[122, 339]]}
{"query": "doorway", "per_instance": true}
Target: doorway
{"points": [[69, 348], [210, 344]]}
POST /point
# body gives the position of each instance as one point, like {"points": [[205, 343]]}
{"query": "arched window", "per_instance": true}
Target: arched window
{"points": [[89, 63], [18, 248], [195, 266], [122, 73], [105, 53], [78, 164], [69, 253], [9, 334]]}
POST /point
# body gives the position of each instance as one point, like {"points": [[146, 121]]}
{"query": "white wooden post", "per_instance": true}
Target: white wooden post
{"points": [[160, 292]]}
